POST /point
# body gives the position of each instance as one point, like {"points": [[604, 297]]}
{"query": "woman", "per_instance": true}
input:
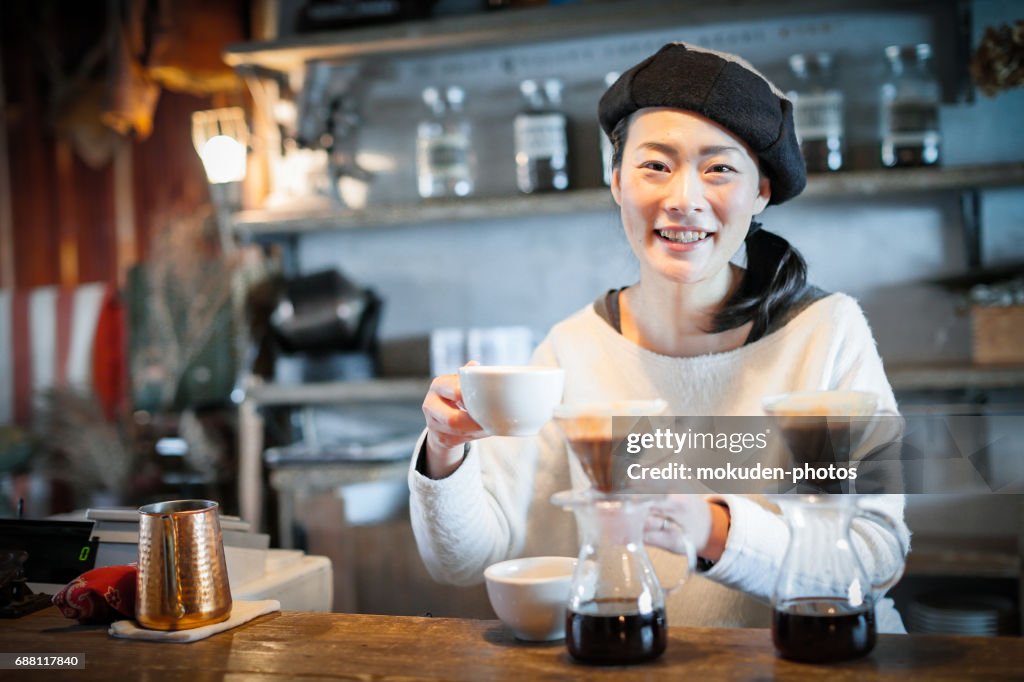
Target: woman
{"points": [[702, 143]]}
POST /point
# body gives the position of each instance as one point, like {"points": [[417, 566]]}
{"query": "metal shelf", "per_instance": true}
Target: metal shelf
{"points": [[909, 180], [907, 377], [953, 377], [533, 25], [266, 394], [254, 224], [258, 223], [964, 557]]}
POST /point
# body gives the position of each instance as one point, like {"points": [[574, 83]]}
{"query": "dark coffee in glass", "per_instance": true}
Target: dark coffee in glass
{"points": [[605, 632], [823, 630]]}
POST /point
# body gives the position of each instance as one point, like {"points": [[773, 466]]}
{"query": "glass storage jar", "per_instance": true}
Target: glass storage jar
{"points": [[444, 152], [818, 111], [910, 108], [541, 140]]}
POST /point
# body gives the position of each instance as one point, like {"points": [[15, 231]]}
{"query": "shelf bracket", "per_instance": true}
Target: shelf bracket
{"points": [[958, 56], [290, 256], [970, 222]]}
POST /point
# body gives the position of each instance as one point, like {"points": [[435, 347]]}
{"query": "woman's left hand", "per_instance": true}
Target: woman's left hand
{"points": [[678, 517]]}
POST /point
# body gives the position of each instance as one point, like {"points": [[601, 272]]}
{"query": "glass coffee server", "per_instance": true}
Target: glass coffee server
{"points": [[616, 609], [823, 603]]}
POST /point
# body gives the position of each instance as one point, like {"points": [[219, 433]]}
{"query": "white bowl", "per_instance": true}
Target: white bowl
{"points": [[511, 400], [530, 595]]}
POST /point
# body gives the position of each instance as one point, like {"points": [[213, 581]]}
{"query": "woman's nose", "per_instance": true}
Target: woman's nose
{"points": [[686, 192]]}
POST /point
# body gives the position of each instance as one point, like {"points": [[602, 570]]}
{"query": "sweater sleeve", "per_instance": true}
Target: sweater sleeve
{"points": [[478, 514], [753, 550]]}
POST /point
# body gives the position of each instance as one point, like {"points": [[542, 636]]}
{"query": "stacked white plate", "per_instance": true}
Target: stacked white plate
{"points": [[950, 613]]}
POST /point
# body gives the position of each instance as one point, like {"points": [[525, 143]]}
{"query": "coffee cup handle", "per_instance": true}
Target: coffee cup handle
{"points": [[691, 557], [889, 525]]}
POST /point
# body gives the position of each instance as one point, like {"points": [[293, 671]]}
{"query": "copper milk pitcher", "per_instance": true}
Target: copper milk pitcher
{"points": [[183, 577]]}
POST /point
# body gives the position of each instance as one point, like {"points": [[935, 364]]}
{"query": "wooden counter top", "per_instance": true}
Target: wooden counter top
{"points": [[293, 645]]}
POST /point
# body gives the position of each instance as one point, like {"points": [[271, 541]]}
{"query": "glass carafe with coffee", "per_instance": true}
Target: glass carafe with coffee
{"points": [[823, 604], [616, 610], [835, 619]]}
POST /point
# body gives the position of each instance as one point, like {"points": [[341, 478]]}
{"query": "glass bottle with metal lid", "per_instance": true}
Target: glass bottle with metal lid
{"points": [[541, 140], [818, 111], [910, 108], [444, 154]]}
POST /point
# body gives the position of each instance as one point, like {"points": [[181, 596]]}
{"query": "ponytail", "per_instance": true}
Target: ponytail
{"points": [[775, 280]]}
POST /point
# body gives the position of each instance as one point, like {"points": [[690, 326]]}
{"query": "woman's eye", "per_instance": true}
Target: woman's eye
{"points": [[722, 168], [655, 166]]}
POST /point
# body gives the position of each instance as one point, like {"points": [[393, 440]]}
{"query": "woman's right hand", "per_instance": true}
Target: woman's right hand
{"points": [[449, 426]]}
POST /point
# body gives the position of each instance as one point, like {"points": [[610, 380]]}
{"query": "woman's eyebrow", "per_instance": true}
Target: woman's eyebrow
{"points": [[670, 150], [660, 147], [718, 149]]}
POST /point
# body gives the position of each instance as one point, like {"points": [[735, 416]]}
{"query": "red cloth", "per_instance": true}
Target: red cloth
{"points": [[101, 595], [109, 360]]}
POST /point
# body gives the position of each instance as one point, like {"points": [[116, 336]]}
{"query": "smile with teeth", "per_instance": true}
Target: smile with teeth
{"points": [[682, 236]]}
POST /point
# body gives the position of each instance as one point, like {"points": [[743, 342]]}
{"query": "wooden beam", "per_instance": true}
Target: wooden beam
{"points": [[126, 252], [67, 214], [7, 271]]}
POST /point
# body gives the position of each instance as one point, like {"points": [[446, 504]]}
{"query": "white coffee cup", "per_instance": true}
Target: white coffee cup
{"points": [[530, 595], [511, 400]]}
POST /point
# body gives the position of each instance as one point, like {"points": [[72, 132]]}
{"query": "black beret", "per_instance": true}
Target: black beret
{"points": [[726, 90]]}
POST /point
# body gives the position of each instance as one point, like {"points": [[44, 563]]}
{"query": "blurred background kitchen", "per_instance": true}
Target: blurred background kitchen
{"points": [[237, 238]]}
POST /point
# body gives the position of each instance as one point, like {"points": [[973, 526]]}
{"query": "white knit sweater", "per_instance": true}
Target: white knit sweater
{"points": [[496, 504]]}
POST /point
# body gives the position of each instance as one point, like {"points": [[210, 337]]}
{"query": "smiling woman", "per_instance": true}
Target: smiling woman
{"points": [[702, 143], [687, 189]]}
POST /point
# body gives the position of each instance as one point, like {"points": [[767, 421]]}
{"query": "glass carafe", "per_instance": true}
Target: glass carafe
{"points": [[616, 610], [823, 605]]}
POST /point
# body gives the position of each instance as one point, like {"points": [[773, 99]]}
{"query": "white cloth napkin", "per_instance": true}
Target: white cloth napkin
{"points": [[241, 612]]}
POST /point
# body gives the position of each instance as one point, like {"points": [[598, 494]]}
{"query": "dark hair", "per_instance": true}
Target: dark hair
{"points": [[776, 275]]}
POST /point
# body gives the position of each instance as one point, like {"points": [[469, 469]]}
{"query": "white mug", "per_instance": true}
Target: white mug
{"points": [[509, 400]]}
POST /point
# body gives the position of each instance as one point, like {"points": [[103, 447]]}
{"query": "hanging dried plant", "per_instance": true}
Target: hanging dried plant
{"points": [[188, 312], [81, 447], [998, 63], [187, 289]]}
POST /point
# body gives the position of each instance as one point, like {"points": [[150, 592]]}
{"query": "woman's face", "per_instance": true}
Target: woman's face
{"points": [[687, 189]]}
